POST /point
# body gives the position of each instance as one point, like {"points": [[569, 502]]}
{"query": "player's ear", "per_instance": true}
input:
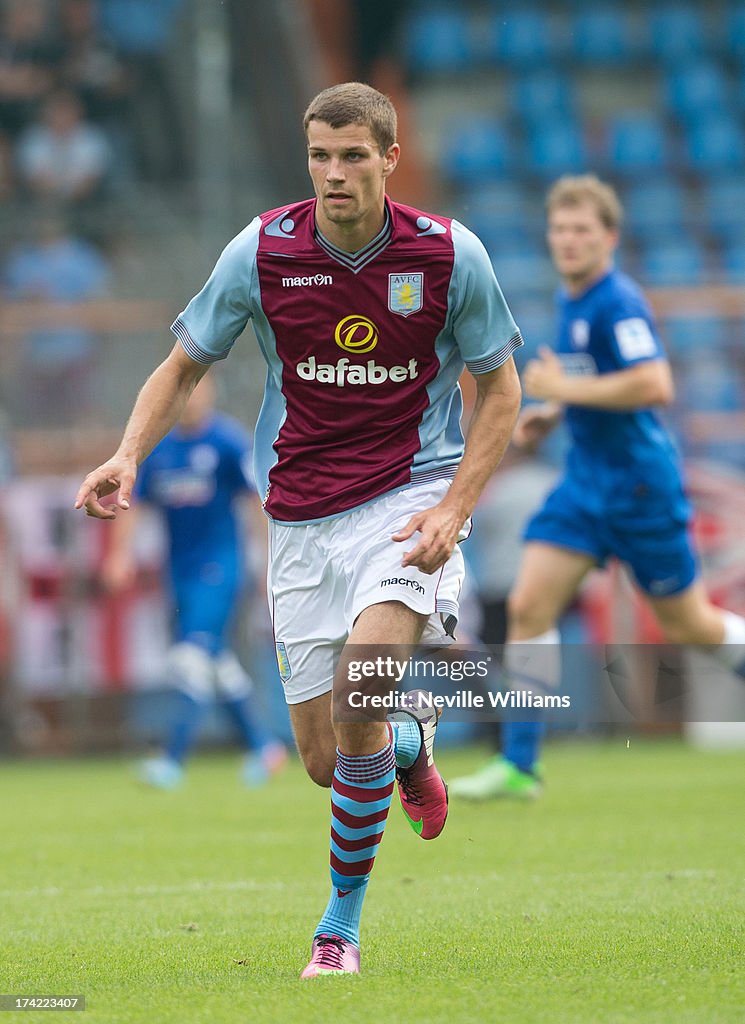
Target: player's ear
{"points": [[391, 159]]}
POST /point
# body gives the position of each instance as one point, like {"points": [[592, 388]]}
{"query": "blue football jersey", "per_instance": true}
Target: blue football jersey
{"points": [[609, 328], [194, 479]]}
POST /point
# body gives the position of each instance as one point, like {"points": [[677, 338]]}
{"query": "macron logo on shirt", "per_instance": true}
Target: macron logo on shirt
{"points": [[304, 282]]}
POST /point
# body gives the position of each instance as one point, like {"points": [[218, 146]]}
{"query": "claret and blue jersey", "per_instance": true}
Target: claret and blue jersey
{"points": [[623, 492], [363, 350]]}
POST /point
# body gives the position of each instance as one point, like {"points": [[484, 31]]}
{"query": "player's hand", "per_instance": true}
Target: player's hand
{"points": [[118, 474], [545, 376], [439, 527], [534, 424]]}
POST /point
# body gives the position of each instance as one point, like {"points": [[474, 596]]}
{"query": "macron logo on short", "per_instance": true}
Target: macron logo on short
{"points": [[304, 282], [401, 582]]}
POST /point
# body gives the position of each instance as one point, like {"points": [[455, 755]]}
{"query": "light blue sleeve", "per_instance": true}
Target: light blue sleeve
{"points": [[482, 324], [218, 314]]}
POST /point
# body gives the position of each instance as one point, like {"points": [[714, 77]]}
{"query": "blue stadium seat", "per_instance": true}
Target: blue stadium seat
{"points": [[438, 41], [637, 143], [696, 90], [556, 147], [688, 336], [724, 208], [541, 94], [733, 261], [522, 271], [734, 36], [501, 205], [715, 145], [677, 32], [519, 37], [655, 209], [477, 149], [675, 262], [602, 35], [711, 385]]}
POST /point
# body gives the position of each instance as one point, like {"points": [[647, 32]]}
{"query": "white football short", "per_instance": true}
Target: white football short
{"points": [[321, 576]]}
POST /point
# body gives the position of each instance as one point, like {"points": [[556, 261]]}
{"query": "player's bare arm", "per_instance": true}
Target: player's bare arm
{"points": [[158, 406], [495, 411], [638, 387]]}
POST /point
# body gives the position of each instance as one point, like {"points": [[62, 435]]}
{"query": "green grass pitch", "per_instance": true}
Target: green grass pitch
{"points": [[616, 899]]}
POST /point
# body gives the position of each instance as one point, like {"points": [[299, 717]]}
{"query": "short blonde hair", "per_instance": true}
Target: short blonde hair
{"points": [[576, 190], [355, 103]]}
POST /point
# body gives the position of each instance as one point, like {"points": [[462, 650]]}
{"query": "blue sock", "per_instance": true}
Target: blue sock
{"points": [[183, 732], [253, 736], [522, 743], [361, 793], [406, 736]]}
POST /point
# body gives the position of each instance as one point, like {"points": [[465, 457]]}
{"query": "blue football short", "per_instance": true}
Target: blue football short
{"points": [[646, 528], [205, 604]]}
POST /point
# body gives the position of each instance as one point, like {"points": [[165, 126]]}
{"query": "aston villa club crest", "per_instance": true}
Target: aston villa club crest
{"points": [[405, 293]]}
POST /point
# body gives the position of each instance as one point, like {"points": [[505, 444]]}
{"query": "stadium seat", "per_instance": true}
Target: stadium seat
{"points": [[519, 37], [637, 143], [476, 149], [541, 94], [734, 35], [677, 33], [724, 208], [603, 35], [696, 90], [715, 145], [521, 271], [556, 147], [438, 41], [654, 209], [687, 336], [733, 261], [675, 262], [501, 205], [711, 385]]}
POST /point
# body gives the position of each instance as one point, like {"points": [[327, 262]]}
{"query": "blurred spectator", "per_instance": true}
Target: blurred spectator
{"points": [[90, 66], [62, 156], [27, 59], [141, 31], [53, 383]]}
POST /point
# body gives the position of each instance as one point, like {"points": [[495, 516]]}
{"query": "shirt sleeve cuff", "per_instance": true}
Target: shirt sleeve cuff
{"points": [[493, 362], [192, 349]]}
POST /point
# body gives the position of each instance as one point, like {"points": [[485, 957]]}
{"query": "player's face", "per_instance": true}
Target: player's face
{"points": [[581, 245], [349, 174]]}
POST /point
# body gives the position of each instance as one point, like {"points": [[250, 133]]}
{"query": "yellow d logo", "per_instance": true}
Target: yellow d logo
{"points": [[356, 334]]}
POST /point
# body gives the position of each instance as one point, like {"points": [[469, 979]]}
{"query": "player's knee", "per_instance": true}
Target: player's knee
{"points": [[525, 616], [319, 767], [190, 669]]}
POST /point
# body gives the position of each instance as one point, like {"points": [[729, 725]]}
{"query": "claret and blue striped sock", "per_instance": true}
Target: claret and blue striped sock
{"points": [[361, 793], [406, 735]]}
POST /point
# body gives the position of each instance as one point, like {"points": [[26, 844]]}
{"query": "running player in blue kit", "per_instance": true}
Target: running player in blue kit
{"points": [[622, 491], [196, 478]]}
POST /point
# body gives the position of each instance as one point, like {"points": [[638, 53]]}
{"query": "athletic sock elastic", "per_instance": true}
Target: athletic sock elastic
{"points": [[360, 798]]}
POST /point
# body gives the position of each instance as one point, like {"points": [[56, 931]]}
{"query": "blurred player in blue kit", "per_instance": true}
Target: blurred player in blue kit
{"points": [[622, 491], [198, 478]]}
